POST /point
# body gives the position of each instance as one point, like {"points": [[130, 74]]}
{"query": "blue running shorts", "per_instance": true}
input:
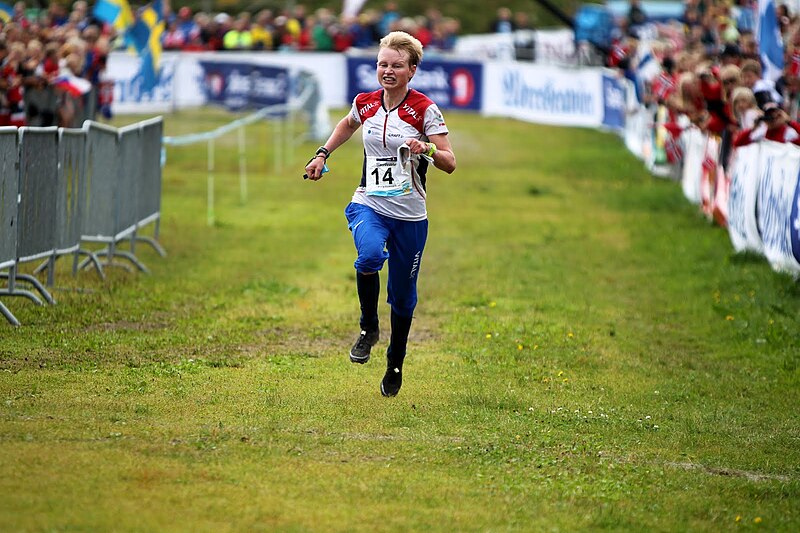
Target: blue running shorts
{"points": [[378, 238]]}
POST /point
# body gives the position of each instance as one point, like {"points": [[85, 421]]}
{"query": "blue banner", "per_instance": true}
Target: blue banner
{"points": [[243, 85], [613, 103], [450, 84], [794, 223]]}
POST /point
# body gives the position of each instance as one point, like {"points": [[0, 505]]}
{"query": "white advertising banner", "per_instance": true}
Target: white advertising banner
{"points": [[555, 46], [694, 153], [180, 80], [552, 46], [742, 226], [779, 167], [544, 94]]}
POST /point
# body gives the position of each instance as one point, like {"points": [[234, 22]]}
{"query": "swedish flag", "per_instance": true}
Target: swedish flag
{"points": [[144, 35], [115, 12], [6, 12]]}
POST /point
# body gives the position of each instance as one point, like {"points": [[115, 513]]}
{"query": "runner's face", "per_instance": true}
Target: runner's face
{"points": [[394, 69]]}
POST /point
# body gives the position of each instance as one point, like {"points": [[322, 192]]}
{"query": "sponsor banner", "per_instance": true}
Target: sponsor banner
{"points": [[178, 84], [552, 46], [638, 128], [614, 96], [544, 94], [494, 46], [244, 85], [694, 154], [779, 167], [709, 176], [555, 47], [181, 79], [451, 84], [794, 223], [742, 226]]}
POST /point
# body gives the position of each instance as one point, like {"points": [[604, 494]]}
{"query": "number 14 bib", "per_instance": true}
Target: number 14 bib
{"points": [[389, 175]]}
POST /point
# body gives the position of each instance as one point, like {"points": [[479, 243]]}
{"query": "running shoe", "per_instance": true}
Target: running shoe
{"points": [[392, 381], [359, 353]]}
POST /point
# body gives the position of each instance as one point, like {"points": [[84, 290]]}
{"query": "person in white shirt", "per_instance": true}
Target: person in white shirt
{"points": [[403, 131]]}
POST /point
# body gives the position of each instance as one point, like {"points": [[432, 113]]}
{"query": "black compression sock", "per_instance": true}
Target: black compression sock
{"points": [[369, 288], [401, 326]]}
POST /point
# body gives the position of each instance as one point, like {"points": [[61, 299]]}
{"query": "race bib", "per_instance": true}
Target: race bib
{"points": [[389, 175]]}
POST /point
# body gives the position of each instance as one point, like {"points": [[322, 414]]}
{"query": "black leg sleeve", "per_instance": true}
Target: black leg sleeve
{"points": [[397, 347], [369, 288]]}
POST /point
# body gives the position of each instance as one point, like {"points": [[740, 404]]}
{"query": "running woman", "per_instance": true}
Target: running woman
{"points": [[403, 130]]}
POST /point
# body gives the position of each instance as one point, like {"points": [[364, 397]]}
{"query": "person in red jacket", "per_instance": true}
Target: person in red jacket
{"points": [[774, 125]]}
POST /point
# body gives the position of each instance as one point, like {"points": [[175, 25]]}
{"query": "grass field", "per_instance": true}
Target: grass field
{"points": [[588, 353]]}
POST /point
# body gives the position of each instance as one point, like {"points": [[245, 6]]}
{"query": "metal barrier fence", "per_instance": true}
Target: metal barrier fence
{"points": [[61, 187]]}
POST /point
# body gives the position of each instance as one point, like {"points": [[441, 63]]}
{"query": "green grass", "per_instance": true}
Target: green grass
{"points": [[588, 353]]}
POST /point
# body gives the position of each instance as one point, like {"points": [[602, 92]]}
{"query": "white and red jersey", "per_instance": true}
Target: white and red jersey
{"points": [[383, 132]]}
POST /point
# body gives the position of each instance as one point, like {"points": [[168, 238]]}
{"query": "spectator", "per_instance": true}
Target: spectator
{"points": [[774, 125], [745, 108], [186, 24], [764, 90], [321, 33], [261, 31], [390, 16], [731, 55], [744, 15], [503, 23], [365, 32], [636, 15], [239, 36], [173, 38]]}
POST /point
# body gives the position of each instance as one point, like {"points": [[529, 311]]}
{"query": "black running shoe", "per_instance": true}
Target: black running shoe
{"points": [[392, 381], [359, 353]]}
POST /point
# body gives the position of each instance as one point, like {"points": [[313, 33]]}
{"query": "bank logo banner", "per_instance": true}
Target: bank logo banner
{"points": [[450, 84]]}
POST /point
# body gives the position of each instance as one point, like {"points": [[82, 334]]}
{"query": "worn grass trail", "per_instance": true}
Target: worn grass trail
{"points": [[588, 353]]}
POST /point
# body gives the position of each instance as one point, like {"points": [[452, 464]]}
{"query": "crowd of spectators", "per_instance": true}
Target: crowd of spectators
{"points": [[40, 59], [296, 29], [57, 42], [60, 43], [709, 73]]}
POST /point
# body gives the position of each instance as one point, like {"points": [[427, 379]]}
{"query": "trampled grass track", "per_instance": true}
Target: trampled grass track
{"points": [[588, 353]]}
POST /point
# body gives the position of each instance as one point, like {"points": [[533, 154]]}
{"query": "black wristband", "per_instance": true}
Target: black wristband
{"points": [[323, 150]]}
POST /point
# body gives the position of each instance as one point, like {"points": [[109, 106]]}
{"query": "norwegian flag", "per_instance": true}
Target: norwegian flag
{"points": [[618, 53], [663, 86], [672, 144]]}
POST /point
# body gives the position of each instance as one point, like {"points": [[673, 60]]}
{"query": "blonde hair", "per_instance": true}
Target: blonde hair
{"points": [[752, 66], [730, 71], [403, 42], [743, 93]]}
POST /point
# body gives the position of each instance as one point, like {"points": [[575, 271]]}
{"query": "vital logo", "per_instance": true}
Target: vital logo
{"points": [[367, 107], [415, 266], [411, 111]]}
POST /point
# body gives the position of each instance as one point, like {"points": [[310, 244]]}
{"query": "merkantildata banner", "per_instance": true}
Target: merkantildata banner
{"points": [[589, 97]]}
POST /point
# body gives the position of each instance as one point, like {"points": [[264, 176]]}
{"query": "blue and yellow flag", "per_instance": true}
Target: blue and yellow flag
{"points": [[115, 12], [144, 35], [6, 12]]}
